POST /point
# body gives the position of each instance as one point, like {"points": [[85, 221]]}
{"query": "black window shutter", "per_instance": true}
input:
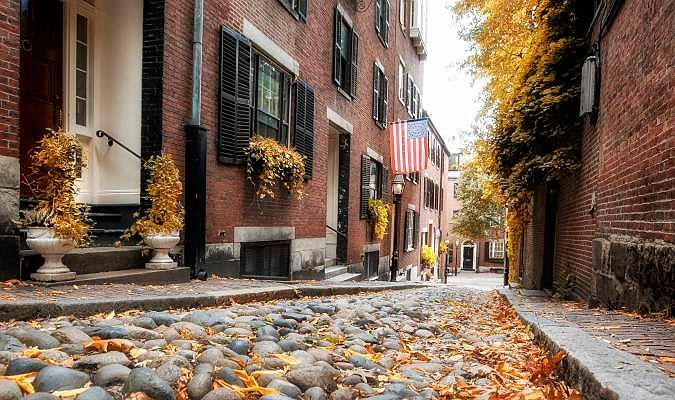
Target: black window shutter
{"points": [[234, 128], [302, 9], [303, 139], [487, 250], [336, 47], [355, 62], [376, 92], [365, 187], [385, 9]]}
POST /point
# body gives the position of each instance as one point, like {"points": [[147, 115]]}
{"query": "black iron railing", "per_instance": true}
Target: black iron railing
{"points": [[336, 231], [112, 141]]}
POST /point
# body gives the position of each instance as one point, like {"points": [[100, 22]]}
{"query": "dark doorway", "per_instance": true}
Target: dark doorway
{"points": [[467, 258], [343, 198], [372, 263], [41, 99], [549, 236]]}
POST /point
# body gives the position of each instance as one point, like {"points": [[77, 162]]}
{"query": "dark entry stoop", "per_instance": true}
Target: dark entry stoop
{"points": [[98, 265]]}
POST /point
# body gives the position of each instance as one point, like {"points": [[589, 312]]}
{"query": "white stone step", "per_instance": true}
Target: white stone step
{"points": [[345, 277], [335, 270]]}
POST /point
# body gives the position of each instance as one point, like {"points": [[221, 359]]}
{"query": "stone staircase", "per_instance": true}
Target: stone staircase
{"points": [[103, 263]]}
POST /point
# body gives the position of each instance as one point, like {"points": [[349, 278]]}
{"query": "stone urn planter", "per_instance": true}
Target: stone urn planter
{"points": [[52, 249], [161, 245]]}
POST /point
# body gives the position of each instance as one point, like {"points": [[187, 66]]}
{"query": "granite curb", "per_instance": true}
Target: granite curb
{"points": [[593, 367], [84, 308]]}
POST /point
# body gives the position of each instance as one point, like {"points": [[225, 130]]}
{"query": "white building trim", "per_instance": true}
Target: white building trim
{"points": [[266, 44]]}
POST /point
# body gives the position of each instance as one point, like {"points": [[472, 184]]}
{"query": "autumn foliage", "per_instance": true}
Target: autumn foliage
{"points": [[530, 53]]}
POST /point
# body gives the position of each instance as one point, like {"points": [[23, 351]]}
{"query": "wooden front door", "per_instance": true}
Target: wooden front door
{"points": [[41, 78]]}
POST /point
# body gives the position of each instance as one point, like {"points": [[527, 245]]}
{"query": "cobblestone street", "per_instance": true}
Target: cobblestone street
{"points": [[431, 342]]}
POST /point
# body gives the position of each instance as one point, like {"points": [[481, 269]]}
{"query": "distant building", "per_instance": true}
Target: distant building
{"points": [[485, 254]]}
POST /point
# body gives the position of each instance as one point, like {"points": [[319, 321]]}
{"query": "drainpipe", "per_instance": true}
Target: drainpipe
{"points": [[195, 161]]}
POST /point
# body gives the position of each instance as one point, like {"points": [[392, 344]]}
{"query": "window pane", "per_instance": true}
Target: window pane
{"points": [[81, 112], [81, 29], [269, 88], [81, 84], [81, 57]]}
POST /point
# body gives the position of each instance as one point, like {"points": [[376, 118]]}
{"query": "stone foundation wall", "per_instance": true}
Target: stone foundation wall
{"points": [[9, 210], [635, 274]]}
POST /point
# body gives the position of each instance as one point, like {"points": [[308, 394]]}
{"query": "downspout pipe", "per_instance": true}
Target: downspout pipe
{"points": [[195, 161]]}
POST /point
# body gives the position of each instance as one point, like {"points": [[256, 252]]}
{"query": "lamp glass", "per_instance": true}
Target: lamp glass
{"points": [[397, 184]]}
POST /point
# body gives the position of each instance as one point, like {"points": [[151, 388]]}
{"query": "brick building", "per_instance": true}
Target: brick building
{"points": [[612, 223], [322, 76]]}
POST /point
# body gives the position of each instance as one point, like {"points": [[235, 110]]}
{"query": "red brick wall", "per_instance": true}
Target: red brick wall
{"points": [[9, 78], [628, 153], [229, 196]]}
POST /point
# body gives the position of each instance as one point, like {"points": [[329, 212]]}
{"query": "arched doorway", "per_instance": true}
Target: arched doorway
{"points": [[468, 256]]}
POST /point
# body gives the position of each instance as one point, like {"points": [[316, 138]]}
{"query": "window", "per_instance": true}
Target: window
{"points": [[373, 182], [345, 55], [380, 96], [265, 259], [272, 98], [410, 233], [409, 93], [255, 97], [297, 8], [401, 83], [453, 163], [81, 70], [382, 21], [431, 194], [455, 186], [496, 249]]}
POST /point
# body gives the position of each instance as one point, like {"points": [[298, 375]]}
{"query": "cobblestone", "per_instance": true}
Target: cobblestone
{"points": [[470, 345]]}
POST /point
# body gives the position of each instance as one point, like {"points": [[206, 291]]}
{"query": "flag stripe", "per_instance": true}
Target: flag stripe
{"points": [[409, 146]]}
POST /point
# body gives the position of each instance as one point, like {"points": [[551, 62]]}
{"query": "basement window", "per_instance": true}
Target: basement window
{"points": [[266, 260]]}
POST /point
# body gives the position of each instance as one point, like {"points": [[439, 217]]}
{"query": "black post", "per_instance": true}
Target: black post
{"points": [[506, 260], [195, 198], [394, 257]]}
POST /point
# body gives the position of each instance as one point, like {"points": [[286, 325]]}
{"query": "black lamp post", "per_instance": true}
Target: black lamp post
{"points": [[397, 186]]}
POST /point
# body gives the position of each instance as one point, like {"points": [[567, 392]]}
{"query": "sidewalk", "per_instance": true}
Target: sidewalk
{"points": [[27, 301], [610, 354]]}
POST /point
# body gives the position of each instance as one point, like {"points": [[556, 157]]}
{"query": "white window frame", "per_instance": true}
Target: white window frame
{"points": [[410, 230], [401, 81], [72, 10], [496, 251]]}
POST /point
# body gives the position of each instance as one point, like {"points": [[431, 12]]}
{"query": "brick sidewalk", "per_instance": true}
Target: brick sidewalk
{"points": [[608, 354], [25, 300]]}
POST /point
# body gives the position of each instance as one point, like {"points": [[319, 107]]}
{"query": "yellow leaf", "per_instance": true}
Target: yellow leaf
{"points": [[70, 393]]}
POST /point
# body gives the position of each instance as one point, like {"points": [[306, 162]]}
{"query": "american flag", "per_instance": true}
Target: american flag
{"points": [[409, 145]]}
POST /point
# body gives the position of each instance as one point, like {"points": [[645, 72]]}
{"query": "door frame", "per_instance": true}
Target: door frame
{"points": [[474, 246]]}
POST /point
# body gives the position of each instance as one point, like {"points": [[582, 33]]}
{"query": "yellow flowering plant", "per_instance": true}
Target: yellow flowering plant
{"points": [[428, 257], [56, 165], [166, 214], [443, 248], [271, 165], [379, 211]]}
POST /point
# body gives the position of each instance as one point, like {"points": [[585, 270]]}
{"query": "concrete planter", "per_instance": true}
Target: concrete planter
{"points": [[161, 246], [52, 249]]}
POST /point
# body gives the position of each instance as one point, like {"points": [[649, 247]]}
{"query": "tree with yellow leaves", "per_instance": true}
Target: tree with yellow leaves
{"points": [[530, 52]]}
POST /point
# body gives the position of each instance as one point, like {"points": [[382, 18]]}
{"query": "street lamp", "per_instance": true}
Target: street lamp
{"points": [[397, 185]]}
